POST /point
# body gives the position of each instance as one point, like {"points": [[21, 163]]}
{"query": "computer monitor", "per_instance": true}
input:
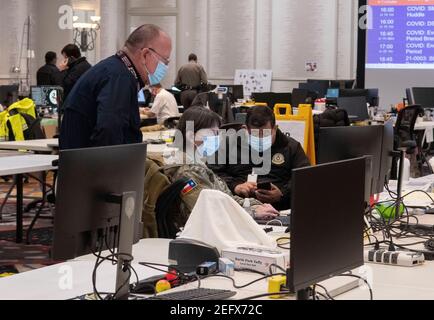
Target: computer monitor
{"points": [[141, 97], [342, 84], [356, 107], [99, 203], [272, 98], [326, 229], [236, 92], [373, 97], [423, 97], [332, 93], [343, 143], [8, 95], [46, 97], [318, 86], [303, 96]]}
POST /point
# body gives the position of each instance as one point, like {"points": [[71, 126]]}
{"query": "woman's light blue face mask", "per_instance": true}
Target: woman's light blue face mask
{"points": [[209, 147]]}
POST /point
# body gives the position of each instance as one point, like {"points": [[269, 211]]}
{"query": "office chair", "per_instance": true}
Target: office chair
{"points": [[241, 117], [172, 122], [329, 118], [169, 219], [405, 136]]}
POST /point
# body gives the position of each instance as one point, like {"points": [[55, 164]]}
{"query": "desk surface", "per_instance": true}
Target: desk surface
{"points": [[424, 125], [26, 164], [44, 145], [51, 283], [48, 145]]}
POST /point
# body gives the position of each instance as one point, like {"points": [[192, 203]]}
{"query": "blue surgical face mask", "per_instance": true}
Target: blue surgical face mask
{"points": [[210, 145], [261, 144], [159, 74]]}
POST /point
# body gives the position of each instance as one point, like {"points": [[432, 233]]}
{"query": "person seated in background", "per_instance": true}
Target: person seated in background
{"points": [[191, 77], [49, 74], [73, 67], [164, 106], [286, 155], [205, 141]]}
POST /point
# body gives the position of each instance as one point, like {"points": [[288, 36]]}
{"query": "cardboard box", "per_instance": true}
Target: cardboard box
{"points": [[257, 259]]}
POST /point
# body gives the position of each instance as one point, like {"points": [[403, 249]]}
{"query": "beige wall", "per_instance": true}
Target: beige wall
{"points": [[277, 34]]}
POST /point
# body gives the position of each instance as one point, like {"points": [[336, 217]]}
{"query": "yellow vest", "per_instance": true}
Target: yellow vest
{"points": [[18, 124]]}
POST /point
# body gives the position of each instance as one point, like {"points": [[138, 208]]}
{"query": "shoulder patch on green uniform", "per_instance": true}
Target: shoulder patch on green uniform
{"points": [[191, 185]]}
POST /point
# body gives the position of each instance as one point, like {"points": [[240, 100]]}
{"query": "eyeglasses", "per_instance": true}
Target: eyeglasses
{"points": [[165, 60]]}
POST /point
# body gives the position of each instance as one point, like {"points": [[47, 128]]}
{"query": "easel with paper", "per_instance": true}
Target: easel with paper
{"points": [[300, 127]]}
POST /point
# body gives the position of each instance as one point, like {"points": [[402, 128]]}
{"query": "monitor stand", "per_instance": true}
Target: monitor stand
{"points": [[127, 202], [304, 295]]}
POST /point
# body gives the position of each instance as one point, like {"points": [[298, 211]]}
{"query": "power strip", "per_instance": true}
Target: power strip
{"points": [[395, 258]]}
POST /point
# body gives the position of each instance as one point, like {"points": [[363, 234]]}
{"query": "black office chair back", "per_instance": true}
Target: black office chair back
{"points": [[406, 122], [172, 122], [169, 219]]}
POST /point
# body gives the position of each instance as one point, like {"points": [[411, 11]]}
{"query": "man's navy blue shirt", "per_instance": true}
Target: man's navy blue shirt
{"points": [[102, 108]]}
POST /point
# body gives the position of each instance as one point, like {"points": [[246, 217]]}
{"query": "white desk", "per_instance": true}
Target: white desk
{"points": [[388, 282], [17, 166], [49, 283], [44, 145], [424, 125], [49, 145]]}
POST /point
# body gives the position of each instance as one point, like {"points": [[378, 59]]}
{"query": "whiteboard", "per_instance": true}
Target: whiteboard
{"points": [[295, 129], [254, 80]]}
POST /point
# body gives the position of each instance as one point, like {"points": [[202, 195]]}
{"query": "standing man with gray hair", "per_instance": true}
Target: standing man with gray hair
{"points": [[102, 109]]}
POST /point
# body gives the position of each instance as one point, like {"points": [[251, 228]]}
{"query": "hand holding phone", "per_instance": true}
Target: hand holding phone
{"points": [[265, 186]]}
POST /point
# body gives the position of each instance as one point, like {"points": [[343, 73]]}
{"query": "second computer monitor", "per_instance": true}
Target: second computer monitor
{"points": [[423, 97], [356, 107], [342, 143]]}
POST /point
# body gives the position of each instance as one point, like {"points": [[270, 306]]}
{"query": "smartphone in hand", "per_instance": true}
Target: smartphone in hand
{"points": [[265, 186]]}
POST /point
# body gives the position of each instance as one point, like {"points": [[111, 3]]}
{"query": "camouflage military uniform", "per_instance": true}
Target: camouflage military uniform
{"points": [[202, 178]]}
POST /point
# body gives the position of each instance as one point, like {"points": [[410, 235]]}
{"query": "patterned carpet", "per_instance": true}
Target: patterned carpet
{"points": [[18, 258]]}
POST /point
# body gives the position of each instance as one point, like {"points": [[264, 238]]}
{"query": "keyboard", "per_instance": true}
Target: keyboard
{"points": [[196, 294], [284, 221]]}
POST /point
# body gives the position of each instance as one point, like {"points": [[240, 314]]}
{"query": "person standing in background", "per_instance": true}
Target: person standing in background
{"points": [[191, 77], [102, 108], [49, 74], [73, 67]]}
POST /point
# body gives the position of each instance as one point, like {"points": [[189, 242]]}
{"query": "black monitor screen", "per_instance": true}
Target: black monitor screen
{"points": [[356, 107], [86, 178], [343, 143], [423, 97], [236, 92], [327, 233]]}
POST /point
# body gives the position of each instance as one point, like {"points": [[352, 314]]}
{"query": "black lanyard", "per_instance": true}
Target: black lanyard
{"points": [[130, 66]]}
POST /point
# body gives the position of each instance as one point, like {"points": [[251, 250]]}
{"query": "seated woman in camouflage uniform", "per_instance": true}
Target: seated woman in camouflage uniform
{"points": [[205, 141]]}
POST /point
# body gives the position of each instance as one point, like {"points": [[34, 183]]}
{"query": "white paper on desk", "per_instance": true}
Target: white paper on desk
{"points": [[220, 221]]}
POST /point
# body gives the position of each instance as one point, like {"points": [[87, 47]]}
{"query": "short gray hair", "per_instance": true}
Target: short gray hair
{"points": [[143, 36]]}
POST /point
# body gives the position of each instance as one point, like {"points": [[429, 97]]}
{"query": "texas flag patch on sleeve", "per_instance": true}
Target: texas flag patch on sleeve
{"points": [[191, 185]]}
